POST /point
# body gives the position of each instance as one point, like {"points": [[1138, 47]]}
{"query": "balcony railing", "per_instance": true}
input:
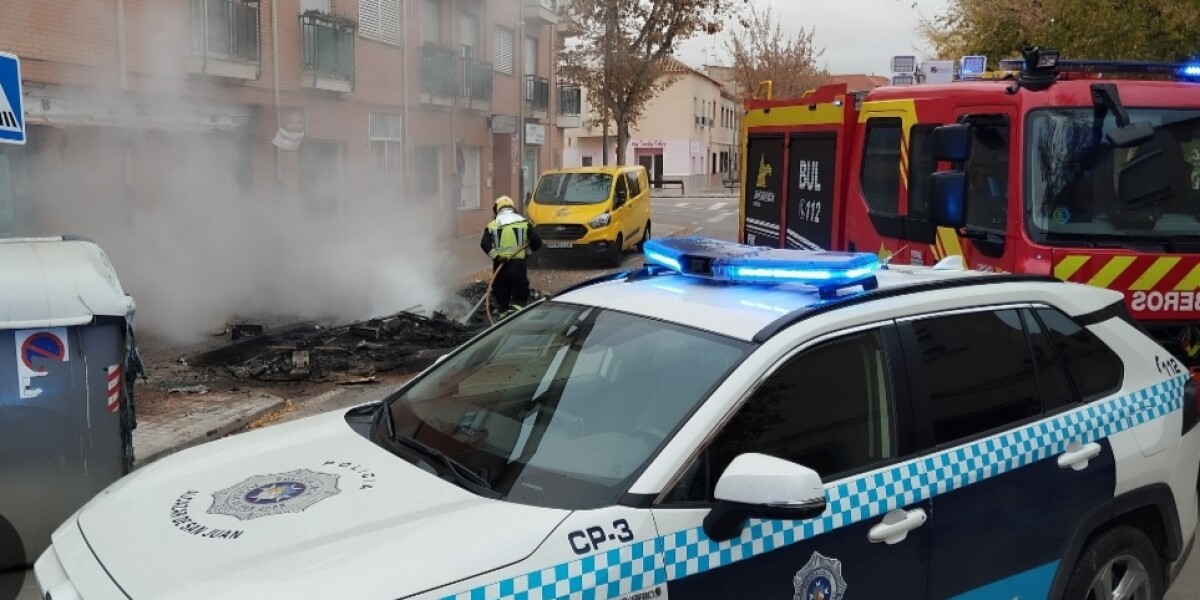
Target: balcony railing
{"points": [[570, 100], [439, 71], [537, 93], [328, 50], [476, 80], [225, 29]]}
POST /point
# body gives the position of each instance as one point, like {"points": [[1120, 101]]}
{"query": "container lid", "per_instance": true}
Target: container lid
{"points": [[57, 282]]}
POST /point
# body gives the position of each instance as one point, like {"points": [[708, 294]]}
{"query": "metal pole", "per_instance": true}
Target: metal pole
{"points": [[275, 93], [404, 135], [122, 61], [519, 50]]}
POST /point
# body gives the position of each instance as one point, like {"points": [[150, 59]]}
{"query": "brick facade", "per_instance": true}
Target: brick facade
{"points": [[104, 127]]}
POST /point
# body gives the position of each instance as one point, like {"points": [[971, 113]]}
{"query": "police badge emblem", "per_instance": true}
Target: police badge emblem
{"points": [[820, 579], [274, 494]]}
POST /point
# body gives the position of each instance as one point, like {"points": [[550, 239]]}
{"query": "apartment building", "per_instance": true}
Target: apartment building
{"points": [[319, 104], [698, 146]]}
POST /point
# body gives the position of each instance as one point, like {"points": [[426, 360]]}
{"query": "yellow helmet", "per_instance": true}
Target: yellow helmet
{"points": [[503, 202]]}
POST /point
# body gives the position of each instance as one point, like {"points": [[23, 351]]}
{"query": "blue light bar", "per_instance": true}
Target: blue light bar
{"points": [[739, 263], [1189, 71]]}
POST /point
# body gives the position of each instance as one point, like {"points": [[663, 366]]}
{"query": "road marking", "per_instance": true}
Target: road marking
{"points": [[721, 217], [718, 206], [682, 204]]}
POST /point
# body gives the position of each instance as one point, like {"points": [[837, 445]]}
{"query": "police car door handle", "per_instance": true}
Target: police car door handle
{"points": [[896, 525], [1078, 455]]}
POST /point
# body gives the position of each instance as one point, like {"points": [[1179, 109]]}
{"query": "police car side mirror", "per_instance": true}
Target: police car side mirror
{"points": [[952, 143], [948, 199], [763, 487]]}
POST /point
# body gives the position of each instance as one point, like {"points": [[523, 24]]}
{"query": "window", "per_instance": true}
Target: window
{"points": [[829, 424], [430, 21], [320, 174], [1095, 369], [468, 37], [635, 184], [987, 173], [586, 162], [979, 372], [921, 165], [531, 56], [386, 137], [380, 20], [881, 165], [321, 5], [429, 173], [1052, 378], [502, 50], [469, 174]]}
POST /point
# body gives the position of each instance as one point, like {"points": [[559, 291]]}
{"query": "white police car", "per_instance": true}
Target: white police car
{"points": [[895, 432]]}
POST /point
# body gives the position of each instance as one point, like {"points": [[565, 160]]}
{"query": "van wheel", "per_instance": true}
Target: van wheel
{"points": [[1122, 563], [614, 255], [641, 247]]}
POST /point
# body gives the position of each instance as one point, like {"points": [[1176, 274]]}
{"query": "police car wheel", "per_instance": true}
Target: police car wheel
{"points": [[1120, 564]]}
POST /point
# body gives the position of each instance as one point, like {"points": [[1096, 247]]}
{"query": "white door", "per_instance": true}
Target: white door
{"points": [[470, 178]]}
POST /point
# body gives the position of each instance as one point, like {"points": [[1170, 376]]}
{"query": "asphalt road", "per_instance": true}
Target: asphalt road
{"points": [[709, 217]]}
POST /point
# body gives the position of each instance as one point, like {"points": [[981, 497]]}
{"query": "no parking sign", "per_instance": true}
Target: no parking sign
{"points": [[36, 347]]}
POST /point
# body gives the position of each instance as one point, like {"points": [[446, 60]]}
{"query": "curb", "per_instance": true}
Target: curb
{"points": [[215, 433]]}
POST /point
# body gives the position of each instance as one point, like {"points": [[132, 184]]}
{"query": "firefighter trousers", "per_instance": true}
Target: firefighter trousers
{"points": [[511, 286]]}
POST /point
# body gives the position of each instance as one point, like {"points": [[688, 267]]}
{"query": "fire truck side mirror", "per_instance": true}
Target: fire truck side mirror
{"points": [[948, 199], [952, 143]]}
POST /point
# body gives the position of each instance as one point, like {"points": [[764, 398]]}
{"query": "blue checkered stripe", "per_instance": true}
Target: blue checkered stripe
{"points": [[622, 571]]}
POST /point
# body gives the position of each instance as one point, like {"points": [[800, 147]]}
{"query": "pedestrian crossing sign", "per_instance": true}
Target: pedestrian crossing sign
{"points": [[12, 116]]}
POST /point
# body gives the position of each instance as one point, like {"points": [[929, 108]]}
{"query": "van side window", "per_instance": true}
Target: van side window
{"points": [[880, 177], [635, 184], [987, 173]]}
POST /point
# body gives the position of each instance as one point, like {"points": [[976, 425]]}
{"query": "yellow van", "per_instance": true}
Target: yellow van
{"points": [[592, 211]]}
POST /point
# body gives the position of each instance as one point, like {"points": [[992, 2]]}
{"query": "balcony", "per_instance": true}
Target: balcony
{"points": [[328, 53], [225, 39], [476, 84], [540, 12], [570, 105], [537, 94], [439, 74]]}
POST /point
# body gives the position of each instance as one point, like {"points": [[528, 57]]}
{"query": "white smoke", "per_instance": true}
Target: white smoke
{"points": [[196, 247]]}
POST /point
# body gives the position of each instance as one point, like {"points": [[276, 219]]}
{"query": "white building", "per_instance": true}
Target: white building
{"points": [[697, 146]]}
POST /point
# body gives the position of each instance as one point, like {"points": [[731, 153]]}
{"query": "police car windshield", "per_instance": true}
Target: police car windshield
{"points": [[573, 188], [564, 405], [1081, 188]]}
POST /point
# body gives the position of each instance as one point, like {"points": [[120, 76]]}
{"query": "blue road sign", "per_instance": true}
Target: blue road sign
{"points": [[12, 115]]}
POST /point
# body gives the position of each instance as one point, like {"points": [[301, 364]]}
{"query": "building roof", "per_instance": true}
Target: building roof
{"points": [[858, 82], [674, 66]]}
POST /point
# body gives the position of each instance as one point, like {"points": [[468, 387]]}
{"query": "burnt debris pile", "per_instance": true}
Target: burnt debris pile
{"points": [[348, 353]]}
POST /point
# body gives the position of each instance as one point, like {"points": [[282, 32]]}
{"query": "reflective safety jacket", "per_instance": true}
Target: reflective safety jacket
{"points": [[509, 236]]}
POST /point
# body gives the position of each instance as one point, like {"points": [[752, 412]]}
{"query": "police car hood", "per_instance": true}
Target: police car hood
{"points": [[307, 509]]}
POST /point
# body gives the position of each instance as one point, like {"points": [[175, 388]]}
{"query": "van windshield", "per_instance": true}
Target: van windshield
{"points": [[1081, 188], [573, 188]]}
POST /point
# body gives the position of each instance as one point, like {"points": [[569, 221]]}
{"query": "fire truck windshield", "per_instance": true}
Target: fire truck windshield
{"points": [[1083, 190]]}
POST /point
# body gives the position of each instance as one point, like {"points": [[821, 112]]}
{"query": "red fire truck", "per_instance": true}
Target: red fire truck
{"points": [[1085, 170]]}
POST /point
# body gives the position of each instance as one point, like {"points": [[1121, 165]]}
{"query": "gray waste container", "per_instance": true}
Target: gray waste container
{"points": [[67, 362]]}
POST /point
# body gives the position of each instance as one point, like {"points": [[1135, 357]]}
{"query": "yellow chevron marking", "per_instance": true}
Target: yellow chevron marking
{"points": [[1068, 266], [950, 243], [936, 251], [1155, 273], [1111, 271], [1191, 282]]}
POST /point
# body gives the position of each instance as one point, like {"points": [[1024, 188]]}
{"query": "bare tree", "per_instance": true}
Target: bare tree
{"points": [[760, 51], [620, 48]]}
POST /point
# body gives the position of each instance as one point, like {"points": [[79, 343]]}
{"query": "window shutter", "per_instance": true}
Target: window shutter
{"points": [[390, 26], [531, 56], [368, 18], [468, 30], [502, 50]]}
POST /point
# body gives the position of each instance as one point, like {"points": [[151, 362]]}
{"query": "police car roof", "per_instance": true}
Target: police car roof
{"points": [[753, 312]]}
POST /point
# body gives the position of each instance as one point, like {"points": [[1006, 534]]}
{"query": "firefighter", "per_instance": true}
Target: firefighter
{"points": [[508, 240]]}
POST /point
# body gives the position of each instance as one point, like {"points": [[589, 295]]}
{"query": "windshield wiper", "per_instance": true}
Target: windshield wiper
{"points": [[463, 475]]}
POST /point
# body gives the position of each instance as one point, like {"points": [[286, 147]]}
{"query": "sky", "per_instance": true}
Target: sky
{"points": [[859, 36]]}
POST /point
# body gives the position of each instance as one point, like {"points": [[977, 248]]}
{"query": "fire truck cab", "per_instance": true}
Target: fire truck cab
{"points": [[1058, 169]]}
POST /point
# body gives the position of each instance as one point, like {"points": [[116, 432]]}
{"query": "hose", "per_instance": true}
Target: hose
{"points": [[487, 294]]}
